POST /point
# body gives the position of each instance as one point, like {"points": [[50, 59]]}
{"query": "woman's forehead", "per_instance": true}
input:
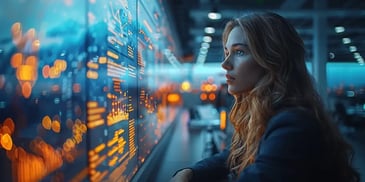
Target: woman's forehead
{"points": [[236, 36]]}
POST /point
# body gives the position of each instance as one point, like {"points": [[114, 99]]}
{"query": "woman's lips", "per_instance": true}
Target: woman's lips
{"points": [[229, 78]]}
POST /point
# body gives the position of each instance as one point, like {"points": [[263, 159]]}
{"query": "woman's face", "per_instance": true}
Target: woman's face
{"points": [[242, 71]]}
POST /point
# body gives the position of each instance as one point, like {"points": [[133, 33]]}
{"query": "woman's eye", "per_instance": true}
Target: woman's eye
{"points": [[239, 52]]}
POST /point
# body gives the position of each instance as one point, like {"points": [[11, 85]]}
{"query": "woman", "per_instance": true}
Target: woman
{"points": [[282, 132]]}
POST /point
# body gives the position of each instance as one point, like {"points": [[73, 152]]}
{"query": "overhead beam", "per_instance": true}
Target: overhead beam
{"points": [[290, 4], [303, 31], [227, 13]]}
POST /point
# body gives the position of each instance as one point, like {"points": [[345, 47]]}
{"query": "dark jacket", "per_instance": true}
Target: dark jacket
{"points": [[291, 149]]}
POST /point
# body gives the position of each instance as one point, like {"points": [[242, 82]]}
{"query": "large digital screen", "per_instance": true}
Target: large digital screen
{"points": [[81, 96]]}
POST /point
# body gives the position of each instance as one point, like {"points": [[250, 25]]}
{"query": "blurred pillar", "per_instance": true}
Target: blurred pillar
{"points": [[320, 52]]}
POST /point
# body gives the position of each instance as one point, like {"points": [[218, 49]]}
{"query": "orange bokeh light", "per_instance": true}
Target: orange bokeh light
{"points": [[6, 141], [203, 96], [211, 96], [223, 120], [31, 61], [46, 122], [36, 44], [173, 98], [208, 88], [45, 71], [92, 74], [214, 87], [56, 126], [26, 89], [10, 124], [16, 60], [102, 60], [5, 130], [16, 31], [25, 73], [60, 64], [54, 72]]}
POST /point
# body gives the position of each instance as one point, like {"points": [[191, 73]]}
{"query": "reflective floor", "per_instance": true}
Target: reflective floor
{"points": [[185, 148]]}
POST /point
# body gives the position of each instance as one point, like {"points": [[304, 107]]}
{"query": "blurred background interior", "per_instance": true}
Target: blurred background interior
{"points": [[126, 90]]}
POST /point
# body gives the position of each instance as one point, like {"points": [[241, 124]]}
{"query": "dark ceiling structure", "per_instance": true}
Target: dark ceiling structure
{"points": [[346, 43]]}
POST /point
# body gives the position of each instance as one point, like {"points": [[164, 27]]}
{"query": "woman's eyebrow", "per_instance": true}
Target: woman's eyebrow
{"points": [[239, 45]]}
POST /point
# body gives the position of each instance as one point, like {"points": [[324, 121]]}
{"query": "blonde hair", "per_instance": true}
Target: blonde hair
{"points": [[276, 46]]}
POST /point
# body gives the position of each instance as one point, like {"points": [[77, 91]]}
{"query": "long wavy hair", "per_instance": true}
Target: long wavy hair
{"points": [[276, 46]]}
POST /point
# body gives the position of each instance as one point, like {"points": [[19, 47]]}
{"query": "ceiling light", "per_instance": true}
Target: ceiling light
{"points": [[214, 14], [205, 45], [209, 30], [353, 48], [207, 39], [360, 60], [203, 51], [346, 40], [339, 29], [357, 55]]}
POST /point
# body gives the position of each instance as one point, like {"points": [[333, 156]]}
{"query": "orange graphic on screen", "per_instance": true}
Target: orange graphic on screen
{"points": [[24, 61], [43, 159]]}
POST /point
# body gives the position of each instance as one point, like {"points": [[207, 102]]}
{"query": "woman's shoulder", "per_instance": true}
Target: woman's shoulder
{"points": [[293, 119], [293, 115]]}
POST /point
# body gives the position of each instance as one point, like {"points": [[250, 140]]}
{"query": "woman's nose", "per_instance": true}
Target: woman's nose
{"points": [[226, 64]]}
